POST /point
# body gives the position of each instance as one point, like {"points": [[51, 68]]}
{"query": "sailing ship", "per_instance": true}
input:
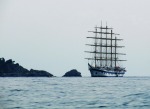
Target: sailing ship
{"points": [[105, 56]]}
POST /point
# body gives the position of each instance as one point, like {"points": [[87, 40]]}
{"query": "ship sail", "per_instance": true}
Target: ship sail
{"points": [[105, 53]]}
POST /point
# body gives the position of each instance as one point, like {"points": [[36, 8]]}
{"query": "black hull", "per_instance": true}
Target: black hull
{"points": [[103, 73]]}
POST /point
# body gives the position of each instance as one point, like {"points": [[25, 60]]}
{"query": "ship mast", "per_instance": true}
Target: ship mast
{"points": [[111, 48], [95, 45], [101, 45], [103, 55], [106, 46], [115, 51]]}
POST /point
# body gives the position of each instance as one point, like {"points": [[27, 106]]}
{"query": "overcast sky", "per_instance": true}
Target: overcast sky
{"points": [[51, 34]]}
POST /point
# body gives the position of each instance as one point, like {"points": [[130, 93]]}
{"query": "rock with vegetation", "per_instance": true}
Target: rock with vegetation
{"points": [[10, 69], [40, 73], [72, 73]]}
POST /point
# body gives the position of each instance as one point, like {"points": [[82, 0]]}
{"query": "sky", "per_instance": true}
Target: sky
{"points": [[51, 34]]}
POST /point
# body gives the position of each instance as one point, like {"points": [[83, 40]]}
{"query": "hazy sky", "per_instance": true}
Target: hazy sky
{"points": [[51, 34]]}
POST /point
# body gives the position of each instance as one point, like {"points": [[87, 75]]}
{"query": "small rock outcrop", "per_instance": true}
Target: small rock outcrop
{"points": [[72, 73], [10, 69]]}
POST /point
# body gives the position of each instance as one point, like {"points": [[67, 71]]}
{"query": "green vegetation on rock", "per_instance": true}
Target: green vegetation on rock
{"points": [[10, 69]]}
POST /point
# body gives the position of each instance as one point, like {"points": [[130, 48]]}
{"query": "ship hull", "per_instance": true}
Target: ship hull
{"points": [[104, 73]]}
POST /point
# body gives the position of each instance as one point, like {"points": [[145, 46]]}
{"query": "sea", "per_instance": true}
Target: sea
{"points": [[75, 93]]}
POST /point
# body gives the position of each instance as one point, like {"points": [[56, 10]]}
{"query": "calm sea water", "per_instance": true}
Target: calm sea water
{"points": [[75, 93]]}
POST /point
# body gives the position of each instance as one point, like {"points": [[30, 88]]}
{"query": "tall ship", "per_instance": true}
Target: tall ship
{"points": [[105, 56]]}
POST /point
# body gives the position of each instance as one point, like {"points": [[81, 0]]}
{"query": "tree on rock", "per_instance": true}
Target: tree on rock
{"points": [[8, 68]]}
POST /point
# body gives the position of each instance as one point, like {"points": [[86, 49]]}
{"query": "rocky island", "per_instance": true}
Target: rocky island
{"points": [[72, 73], [10, 69]]}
